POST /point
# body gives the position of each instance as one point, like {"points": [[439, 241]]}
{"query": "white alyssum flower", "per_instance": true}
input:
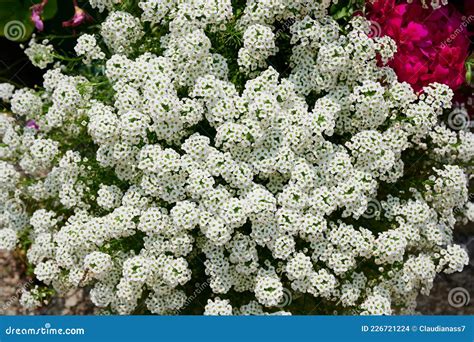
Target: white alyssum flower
{"points": [[25, 102], [101, 5], [257, 148], [376, 305], [87, 46], [40, 54], [259, 44], [218, 307], [120, 31], [47, 271], [30, 299], [6, 91], [98, 264], [109, 196], [8, 239]]}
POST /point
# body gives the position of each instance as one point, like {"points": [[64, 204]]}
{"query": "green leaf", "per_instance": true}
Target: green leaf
{"points": [[469, 67], [345, 9], [50, 9]]}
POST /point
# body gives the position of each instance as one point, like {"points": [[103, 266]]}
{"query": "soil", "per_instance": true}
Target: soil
{"points": [[12, 283]]}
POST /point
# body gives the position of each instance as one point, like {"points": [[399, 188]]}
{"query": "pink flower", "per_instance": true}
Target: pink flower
{"points": [[36, 12], [32, 124], [80, 16], [381, 10], [433, 45]]}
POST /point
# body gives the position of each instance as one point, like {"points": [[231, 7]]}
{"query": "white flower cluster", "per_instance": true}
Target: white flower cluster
{"points": [[87, 46], [435, 4], [259, 44], [40, 54], [156, 171], [120, 31], [6, 91], [101, 5]]}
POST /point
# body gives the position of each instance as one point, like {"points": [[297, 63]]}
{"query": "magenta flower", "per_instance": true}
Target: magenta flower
{"points": [[36, 12], [32, 124], [433, 45]]}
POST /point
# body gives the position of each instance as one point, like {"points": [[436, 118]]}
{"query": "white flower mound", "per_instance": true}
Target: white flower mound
{"points": [[151, 175]]}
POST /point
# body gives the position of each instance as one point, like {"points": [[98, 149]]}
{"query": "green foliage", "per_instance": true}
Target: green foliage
{"points": [[469, 70], [345, 9]]}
